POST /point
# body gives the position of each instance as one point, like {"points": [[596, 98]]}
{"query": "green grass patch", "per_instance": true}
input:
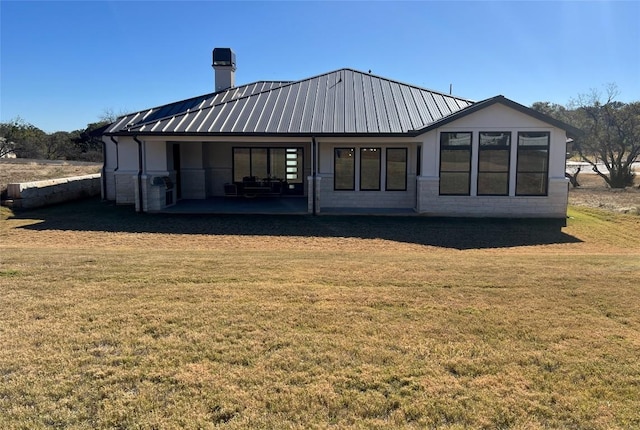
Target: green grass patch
{"points": [[9, 272]]}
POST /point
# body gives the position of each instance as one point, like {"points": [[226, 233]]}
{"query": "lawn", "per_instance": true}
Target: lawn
{"points": [[112, 319]]}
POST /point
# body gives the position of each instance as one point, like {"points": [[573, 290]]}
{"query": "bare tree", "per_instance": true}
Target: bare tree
{"points": [[612, 135], [109, 115]]}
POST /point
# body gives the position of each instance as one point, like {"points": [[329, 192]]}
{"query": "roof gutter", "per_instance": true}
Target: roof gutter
{"points": [[140, 199]]}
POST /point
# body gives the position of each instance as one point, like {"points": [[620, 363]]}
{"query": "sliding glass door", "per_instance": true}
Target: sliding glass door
{"points": [[286, 164]]}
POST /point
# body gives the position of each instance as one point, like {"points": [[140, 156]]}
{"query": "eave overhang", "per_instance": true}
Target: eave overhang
{"points": [[572, 132]]}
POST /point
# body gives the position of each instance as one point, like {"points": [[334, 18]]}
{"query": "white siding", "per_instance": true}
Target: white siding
{"points": [[330, 198], [207, 166], [496, 117]]}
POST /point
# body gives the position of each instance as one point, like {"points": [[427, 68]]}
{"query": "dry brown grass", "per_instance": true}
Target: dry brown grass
{"points": [[22, 170], [116, 320], [593, 192]]}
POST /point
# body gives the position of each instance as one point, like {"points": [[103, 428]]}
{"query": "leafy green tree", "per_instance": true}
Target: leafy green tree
{"points": [[554, 110], [28, 139], [88, 142], [57, 145]]}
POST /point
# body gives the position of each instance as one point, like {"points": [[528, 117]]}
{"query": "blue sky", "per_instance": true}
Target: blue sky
{"points": [[62, 64]]}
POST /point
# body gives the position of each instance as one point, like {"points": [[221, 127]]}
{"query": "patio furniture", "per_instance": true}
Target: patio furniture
{"points": [[252, 187], [230, 190]]}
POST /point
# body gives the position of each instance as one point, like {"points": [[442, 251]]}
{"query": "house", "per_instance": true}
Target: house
{"points": [[343, 141], [6, 148]]}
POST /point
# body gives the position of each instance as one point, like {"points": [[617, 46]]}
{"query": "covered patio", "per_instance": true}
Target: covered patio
{"points": [[241, 205], [269, 206]]}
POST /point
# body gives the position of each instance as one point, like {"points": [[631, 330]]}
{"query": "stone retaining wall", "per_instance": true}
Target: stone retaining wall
{"points": [[35, 194]]}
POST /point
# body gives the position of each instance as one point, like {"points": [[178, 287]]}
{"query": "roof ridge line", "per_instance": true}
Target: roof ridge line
{"points": [[284, 84], [407, 85], [290, 83]]}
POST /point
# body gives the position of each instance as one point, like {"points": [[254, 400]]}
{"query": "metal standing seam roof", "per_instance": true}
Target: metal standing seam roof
{"points": [[199, 102], [342, 102]]}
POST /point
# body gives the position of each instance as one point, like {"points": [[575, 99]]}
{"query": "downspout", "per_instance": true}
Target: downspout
{"points": [[314, 173], [140, 199], [104, 164], [117, 154], [103, 171]]}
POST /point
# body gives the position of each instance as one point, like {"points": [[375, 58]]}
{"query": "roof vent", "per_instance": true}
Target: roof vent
{"points": [[224, 64]]}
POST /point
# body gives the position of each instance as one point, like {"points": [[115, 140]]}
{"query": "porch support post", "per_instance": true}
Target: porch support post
{"points": [[314, 196], [314, 188]]}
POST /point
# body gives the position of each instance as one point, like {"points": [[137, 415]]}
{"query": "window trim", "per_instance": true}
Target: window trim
{"points": [[502, 148], [456, 148], [406, 168], [335, 149], [546, 147]]}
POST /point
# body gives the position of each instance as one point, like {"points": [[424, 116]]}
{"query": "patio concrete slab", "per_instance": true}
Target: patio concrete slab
{"points": [[241, 205], [270, 206]]}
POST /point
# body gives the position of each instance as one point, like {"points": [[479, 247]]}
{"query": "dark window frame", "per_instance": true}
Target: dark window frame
{"points": [[335, 175], [379, 152], [494, 147], [523, 148], [406, 169], [456, 148], [268, 148]]}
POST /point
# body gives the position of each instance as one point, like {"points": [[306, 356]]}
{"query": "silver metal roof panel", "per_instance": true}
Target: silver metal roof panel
{"points": [[341, 102]]}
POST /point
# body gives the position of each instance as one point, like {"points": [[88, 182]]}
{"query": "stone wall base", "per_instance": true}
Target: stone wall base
{"points": [[28, 195]]}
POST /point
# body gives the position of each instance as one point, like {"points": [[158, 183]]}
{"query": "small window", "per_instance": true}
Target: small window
{"points": [[396, 169], [493, 163], [455, 163], [370, 169], [345, 168], [533, 164]]}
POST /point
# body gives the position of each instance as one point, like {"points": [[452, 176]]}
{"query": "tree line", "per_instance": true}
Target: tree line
{"points": [[27, 141], [610, 142]]}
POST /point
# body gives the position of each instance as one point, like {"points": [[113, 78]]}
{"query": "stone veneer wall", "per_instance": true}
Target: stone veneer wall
{"points": [[553, 205], [366, 199], [35, 194]]}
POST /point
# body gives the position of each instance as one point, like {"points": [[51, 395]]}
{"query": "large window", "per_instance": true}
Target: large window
{"points": [[396, 169], [533, 164], [455, 163], [370, 169], [345, 169], [493, 163], [285, 164]]}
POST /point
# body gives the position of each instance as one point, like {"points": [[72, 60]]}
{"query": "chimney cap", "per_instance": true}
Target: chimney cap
{"points": [[224, 57]]}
